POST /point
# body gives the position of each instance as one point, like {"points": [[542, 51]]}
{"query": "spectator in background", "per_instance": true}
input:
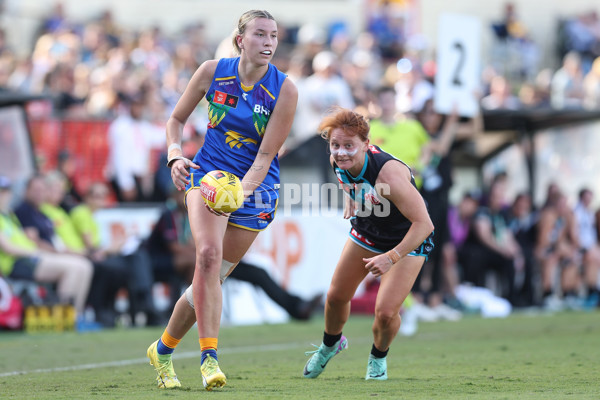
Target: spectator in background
{"points": [[522, 220], [122, 263], [21, 258], [105, 280], [67, 166], [492, 246], [66, 239], [386, 23], [516, 53], [500, 96], [588, 245], [398, 134], [583, 37], [459, 223], [37, 226], [591, 87], [60, 84], [597, 219], [567, 83], [555, 251], [321, 91], [131, 140], [437, 181], [510, 27]]}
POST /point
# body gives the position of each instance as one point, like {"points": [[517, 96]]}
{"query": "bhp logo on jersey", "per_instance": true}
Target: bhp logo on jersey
{"points": [[226, 99], [258, 109]]}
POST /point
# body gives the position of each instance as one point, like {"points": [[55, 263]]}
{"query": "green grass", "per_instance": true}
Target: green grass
{"points": [[521, 357]]}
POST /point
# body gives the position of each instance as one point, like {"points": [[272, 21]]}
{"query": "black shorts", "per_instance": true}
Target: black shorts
{"points": [[380, 246], [24, 268]]}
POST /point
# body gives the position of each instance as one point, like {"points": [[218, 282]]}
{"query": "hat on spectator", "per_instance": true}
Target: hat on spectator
{"points": [[4, 182]]}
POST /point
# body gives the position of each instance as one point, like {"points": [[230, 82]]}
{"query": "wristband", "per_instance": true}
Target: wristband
{"points": [[172, 160], [393, 256], [174, 151]]}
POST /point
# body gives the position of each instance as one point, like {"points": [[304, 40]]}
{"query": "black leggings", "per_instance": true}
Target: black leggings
{"points": [[259, 277], [476, 260]]}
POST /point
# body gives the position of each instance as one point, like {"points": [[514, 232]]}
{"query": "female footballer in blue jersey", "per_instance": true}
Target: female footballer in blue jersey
{"points": [[251, 109], [391, 236]]}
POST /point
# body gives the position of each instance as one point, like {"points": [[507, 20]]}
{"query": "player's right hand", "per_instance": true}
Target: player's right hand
{"points": [[349, 208], [219, 213], [180, 172]]}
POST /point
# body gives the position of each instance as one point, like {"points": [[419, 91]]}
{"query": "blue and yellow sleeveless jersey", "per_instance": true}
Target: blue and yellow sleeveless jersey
{"points": [[238, 118]]}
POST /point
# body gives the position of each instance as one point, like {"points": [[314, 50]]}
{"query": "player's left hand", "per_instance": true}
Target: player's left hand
{"points": [[378, 265]]}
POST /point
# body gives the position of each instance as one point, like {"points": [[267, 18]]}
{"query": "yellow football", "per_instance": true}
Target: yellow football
{"points": [[222, 191]]}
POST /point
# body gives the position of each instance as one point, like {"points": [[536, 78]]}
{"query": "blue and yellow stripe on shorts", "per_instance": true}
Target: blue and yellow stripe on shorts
{"points": [[257, 212]]}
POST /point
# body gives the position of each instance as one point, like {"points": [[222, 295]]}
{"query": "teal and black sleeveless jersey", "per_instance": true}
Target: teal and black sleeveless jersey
{"points": [[238, 121], [378, 224]]}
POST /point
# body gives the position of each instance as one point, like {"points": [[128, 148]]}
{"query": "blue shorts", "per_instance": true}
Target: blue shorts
{"points": [[375, 246], [24, 268], [258, 209]]}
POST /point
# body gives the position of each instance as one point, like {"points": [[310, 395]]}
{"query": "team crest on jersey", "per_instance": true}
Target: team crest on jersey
{"points": [[374, 149], [216, 112], [346, 187], [234, 139]]}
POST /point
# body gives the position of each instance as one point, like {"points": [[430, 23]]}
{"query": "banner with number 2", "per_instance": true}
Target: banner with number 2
{"points": [[458, 64]]}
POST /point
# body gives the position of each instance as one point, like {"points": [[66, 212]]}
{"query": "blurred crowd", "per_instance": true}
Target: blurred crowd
{"points": [[544, 256]]}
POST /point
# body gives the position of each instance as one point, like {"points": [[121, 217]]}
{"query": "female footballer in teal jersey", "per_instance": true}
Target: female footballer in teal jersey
{"points": [[391, 236], [251, 109]]}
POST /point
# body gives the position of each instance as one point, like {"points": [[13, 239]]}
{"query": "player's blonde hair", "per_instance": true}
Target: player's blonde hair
{"points": [[243, 22], [347, 120]]}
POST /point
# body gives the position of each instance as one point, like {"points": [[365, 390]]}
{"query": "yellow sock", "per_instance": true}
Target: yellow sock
{"points": [[169, 340], [166, 344], [208, 343]]}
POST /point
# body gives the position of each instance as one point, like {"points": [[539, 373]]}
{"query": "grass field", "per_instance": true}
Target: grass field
{"points": [[521, 357]]}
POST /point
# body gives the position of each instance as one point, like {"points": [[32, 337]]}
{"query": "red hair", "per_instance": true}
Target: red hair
{"points": [[347, 120]]}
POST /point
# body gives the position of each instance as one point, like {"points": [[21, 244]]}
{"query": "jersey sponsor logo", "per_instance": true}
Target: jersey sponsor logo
{"points": [[225, 99], [234, 139], [209, 192], [259, 109], [226, 83], [373, 149], [361, 237]]}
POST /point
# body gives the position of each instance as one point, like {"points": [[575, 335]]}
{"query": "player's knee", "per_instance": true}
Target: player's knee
{"points": [[385, 316], [335, 298], [207, 257]]}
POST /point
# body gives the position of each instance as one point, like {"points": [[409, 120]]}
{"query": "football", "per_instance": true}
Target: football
{"points": [[222, 191]]}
